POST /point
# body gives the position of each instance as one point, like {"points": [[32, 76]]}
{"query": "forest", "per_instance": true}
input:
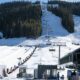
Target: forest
{"points": [[65, 11], [20, 19]]}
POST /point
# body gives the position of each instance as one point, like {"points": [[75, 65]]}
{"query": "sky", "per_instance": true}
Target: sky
{"points": [[2, 1]]}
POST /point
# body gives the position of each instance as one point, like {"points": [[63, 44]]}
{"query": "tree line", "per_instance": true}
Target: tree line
{"points": [[65, 10], [67, 18], [20, 19]]}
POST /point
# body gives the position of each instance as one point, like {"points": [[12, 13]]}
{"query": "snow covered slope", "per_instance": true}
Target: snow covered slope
{"points": [[76, 35], [10, 55], [42, 55], [51, 25], [11, 41], [12, 49]]}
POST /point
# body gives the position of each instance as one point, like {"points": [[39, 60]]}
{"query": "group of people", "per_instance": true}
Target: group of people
{"points": [[72, 75]]}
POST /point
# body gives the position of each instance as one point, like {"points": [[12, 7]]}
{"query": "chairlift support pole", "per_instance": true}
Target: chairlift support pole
{"points": [[47, 32], [59, 44], [47, 27], [59, 54]]}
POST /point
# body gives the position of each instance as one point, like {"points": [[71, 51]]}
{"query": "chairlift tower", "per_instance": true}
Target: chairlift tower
{"points": [[40, 59], [48, 37], [59, 44], [47, 28]]}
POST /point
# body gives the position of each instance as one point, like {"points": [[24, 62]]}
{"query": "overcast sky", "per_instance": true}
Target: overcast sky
{"points": [[2, 1]]}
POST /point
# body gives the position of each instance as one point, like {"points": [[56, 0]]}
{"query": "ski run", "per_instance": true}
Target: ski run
{"points": [[13, 49]]}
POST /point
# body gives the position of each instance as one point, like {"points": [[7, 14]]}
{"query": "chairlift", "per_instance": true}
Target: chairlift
{"points": [[19, 58], [47, 36], [20, 45], [48, 43], [52, 49]]}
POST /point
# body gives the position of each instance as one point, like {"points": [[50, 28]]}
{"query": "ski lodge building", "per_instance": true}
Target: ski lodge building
{"points": [[71, 59]]}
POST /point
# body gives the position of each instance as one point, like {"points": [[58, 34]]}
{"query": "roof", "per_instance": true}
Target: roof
{"points": [[73, 52], [48, 66]]}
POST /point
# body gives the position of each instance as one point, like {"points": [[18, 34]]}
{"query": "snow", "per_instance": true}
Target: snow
{"points": [[10, 55], [76, 35], [52, 25], [12, 49], [11, 41], [41, 57]]}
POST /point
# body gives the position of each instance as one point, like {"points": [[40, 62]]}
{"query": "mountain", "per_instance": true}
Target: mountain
{"points": [[22, 51]]}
